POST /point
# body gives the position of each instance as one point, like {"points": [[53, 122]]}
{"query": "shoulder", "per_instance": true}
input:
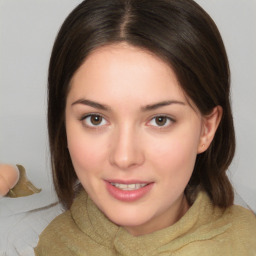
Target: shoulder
{"points": [[243, 221], [60, 224], [53, 236], [241, 212], [241, 231], [230, 231], [235, 216]]}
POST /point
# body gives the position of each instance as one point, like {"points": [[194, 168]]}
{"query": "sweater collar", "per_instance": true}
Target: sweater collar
{"points": [[192, 226]]}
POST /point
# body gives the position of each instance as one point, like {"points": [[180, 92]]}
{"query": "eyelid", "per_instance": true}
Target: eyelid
{"points": [[171, 119], [93, 126]]}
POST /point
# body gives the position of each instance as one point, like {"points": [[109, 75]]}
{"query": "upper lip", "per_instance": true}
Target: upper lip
{"points": [[128, 181]]}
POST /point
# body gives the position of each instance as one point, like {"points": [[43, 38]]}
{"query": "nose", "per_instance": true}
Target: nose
{"points": [[126, 149]]}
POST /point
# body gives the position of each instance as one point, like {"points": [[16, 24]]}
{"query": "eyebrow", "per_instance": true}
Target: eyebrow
{"points": [[91, 104], [161, 104], [144, 108]]}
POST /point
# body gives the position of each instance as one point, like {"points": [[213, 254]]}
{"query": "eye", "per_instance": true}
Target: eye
{"points": [[94, 120], [161, 121]]}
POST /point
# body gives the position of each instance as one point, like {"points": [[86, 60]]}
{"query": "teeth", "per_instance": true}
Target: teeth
{"points": [[129, 186]]}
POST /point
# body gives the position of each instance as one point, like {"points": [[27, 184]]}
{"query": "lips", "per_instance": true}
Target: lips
{"points": [[128, 191], [133, 186]]}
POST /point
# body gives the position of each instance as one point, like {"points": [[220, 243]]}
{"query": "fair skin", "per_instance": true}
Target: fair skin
{"points": [[129, 122]]}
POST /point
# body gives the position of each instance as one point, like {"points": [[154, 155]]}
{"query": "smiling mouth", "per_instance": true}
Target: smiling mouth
{"points": [[129, 187], [128, 191]]}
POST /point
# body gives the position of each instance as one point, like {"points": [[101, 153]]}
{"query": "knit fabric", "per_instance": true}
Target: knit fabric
{"points": [[203, 230]]}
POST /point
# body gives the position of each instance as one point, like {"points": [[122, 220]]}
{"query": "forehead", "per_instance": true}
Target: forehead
{"points": [[123, 70]]}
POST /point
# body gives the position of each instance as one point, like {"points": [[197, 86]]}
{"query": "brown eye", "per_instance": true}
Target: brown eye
{"points": [[161, 120], [94, 120]]}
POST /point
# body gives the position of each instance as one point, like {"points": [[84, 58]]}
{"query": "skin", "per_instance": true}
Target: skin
{"points": [[125, 89], [9, 176]]}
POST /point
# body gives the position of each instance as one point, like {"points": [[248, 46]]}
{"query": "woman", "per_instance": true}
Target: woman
{"points": [[141, 134]]}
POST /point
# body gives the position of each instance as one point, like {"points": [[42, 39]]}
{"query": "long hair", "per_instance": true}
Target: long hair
{"points": [[182, 34]]}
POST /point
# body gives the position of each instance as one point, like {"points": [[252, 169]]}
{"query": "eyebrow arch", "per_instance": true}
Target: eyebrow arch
{"points": [[91, 104], [161, 104]]}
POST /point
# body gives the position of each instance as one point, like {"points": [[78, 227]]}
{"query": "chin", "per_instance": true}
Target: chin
{"points": [[128, 218]]}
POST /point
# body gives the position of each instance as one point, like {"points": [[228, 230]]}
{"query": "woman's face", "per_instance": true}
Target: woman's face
{"points": [[132, 136]]}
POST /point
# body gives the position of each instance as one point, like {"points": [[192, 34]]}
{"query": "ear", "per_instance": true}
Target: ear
{"points": [[210, 124]]}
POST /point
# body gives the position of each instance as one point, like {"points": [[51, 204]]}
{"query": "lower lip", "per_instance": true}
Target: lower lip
{"points": [[128, 195]]}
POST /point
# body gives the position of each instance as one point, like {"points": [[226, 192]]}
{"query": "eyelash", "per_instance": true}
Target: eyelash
{"points": [[166, 118], [83, 119]]}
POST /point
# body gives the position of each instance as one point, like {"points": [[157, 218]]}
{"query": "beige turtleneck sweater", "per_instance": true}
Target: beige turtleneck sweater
{"points": [[203, 230]]}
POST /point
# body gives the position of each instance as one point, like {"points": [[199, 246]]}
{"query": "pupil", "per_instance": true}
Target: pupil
{"points": [[96, 120], [161, 120]]}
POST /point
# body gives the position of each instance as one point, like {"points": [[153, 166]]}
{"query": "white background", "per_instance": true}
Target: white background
{"points": [[27, 32]]}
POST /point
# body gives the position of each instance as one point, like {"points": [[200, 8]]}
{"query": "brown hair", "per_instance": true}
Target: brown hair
{"points": [[182, 34]]}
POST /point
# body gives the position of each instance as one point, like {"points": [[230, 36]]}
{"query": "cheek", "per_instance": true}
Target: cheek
{"points": [[86, 161], [176, 155], [85, 152]]}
